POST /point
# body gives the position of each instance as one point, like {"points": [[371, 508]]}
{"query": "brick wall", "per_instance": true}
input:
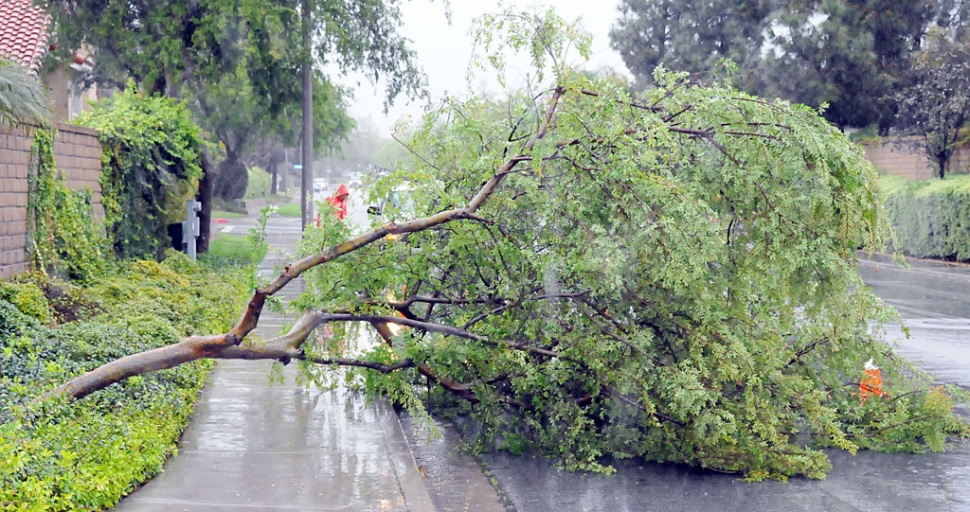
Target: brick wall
{"points": [[77, 153], [905, 160]]}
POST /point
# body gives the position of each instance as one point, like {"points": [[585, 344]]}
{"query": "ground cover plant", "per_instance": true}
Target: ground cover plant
{"points": [[667, 275], [63, 455]]}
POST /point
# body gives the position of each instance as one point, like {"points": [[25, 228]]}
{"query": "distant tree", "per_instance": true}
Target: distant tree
{"points": [[688, 35], [233, 113], [365, 148], [936, 107], [23, 98], [185, 48], [850, 54], [332, 129]]}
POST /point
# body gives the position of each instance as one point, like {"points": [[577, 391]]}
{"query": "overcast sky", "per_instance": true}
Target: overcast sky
{"points": [[444, 50]]}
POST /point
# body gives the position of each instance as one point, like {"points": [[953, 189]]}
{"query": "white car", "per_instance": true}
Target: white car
{"points": [[399, 205]]}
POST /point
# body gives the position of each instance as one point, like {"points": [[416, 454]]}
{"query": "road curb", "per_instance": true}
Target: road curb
{"points": [[881, 257], [409, 477]]}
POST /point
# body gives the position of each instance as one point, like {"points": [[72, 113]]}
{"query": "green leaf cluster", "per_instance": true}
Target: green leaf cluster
{"points": [[57, 454], [149, 168], [23, 98], [668, 275]]}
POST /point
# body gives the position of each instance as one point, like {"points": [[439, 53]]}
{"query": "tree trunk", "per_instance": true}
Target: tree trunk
{"points": [[272, 172], [306, 192], [204, 196], [276, 157], [232, 179]]}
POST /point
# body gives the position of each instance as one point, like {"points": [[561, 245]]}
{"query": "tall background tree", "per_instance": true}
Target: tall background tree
{"points": [[935, 107], [185, 48], [849, 54], [686, 35]]}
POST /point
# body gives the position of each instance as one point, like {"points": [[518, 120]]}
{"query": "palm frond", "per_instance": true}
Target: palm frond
{"points": [[23, 98]]}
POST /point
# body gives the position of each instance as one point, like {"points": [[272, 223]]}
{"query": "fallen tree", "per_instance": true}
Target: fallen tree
{"points": [[669, 275]]}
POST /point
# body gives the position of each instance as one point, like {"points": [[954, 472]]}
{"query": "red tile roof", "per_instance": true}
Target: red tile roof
{"points": [[23, 32]]}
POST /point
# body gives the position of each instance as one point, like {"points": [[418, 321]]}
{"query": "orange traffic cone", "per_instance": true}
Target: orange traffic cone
{"points": [[871, 383]]}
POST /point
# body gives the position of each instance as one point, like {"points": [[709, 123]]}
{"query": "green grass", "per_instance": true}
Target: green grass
{"points": [[278, 199], [232, 249], [228, 215], [289, 210]]}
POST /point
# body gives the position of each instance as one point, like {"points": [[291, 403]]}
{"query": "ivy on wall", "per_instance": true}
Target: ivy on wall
{"points": [[150, 167], [64, 237]]}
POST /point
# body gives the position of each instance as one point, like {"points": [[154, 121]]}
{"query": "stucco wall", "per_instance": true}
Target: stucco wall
{"points": [[905, 160]]}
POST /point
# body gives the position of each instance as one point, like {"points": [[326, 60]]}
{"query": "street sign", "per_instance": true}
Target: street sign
{"points": [[298, 166]]}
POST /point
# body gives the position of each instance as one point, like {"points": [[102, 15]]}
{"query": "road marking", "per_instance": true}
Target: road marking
{"points": [[226, 229]]}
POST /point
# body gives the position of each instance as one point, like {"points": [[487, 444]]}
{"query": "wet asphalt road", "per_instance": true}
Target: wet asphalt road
{"points": [[934, 301]]}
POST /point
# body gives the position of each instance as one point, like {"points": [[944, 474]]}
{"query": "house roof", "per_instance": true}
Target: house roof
{"points": [[23, 32]]}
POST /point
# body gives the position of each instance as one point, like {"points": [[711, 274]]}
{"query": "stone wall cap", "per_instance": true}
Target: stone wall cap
{"points": [[73, 128]]}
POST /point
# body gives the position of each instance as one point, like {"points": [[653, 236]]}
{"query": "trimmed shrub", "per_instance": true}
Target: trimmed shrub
{"points": [[57, 454], [931, 218], [258, 185]]}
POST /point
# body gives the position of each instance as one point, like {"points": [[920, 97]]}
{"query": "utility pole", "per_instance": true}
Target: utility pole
{"points": [[306, 195]]}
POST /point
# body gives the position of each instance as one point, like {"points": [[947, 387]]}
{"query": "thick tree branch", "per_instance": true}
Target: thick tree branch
{"points": [[197, 347]]}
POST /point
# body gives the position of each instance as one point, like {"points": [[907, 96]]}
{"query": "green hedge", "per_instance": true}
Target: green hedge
{"points": [[57, 454], [931, 218]]}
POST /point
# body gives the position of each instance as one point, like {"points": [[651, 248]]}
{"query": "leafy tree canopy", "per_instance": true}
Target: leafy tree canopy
{"points": [[191, 48], [935, 108], [668, 275], [688, 36], [849, 54]]}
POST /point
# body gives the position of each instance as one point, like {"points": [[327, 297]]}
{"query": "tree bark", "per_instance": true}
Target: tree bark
{"points": [[204, 196], [273, 177], [306, 188]]}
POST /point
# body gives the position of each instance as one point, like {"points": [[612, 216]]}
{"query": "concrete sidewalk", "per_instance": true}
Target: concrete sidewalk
{"points": [[252, 446]]}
